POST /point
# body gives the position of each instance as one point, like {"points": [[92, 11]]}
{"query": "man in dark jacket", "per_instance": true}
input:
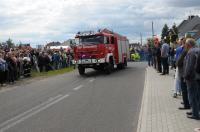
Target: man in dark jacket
{"points": [[41, 61], [158, 58], [149, 56], [2, 70], [165, 55], [190, 77], [47, 62], [11, 66], [181, 52], [55, 60]]}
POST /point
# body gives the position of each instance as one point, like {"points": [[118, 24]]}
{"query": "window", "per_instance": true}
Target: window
{"points": [[92, 40], [112, 40], [77, 41], [106, 40]]}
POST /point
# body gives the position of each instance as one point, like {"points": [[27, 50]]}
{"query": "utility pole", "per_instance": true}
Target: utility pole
{"points": [[141, 38], [152, 32]]}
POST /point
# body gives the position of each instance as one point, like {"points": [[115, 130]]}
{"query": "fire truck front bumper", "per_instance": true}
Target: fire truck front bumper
{"points": [[90, 61]]}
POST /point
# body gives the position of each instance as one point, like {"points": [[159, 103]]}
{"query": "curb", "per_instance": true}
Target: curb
{"points": [[142, 103]]}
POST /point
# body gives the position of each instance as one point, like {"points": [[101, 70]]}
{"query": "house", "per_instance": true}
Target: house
{"points": [[133, 45], [68, 42], [39, 46], [52, 44], [197, 37], [191, 26]]}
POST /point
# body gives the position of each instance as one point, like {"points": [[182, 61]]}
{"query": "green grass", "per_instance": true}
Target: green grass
{"points": [[52, 73]]}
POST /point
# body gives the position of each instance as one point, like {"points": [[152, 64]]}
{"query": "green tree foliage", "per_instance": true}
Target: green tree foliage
{"points": [[10, 43], [150, 42], [165, 32], [175, 29], [173, 33]]}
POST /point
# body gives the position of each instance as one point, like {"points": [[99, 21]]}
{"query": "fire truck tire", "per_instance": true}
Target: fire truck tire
{"points": [[120, 66], [109, 66], [125, 62], [81, 70]]}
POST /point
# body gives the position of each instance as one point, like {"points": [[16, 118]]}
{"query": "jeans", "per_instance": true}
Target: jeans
{"points": [[11, 76], [192, 87], [177, 82], [154, 62], [56, 65], [198, 92], [184, 93], [165, 65], [2, 77], [149, 57], [159, 67]]}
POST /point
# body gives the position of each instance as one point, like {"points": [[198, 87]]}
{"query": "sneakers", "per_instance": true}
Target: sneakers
{"points": [[183, 108], [193, 117], [189, 113]]}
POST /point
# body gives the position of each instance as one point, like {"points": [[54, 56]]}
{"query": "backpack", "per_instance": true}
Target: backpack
{"points": [[197, 67]]}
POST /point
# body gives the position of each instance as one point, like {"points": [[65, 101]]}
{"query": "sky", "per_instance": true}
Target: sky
{"points": [[43, 21]]}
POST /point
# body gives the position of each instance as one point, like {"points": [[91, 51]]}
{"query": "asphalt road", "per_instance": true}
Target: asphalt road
{"points": [[71, 103]]}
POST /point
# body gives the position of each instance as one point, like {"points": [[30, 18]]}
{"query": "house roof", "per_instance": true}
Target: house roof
{"points": [[183, 23], [53, 44], [193, 23], [197, 27]]}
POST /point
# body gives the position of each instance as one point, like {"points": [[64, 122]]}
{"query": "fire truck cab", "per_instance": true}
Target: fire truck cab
{"points": [[100, 50]]}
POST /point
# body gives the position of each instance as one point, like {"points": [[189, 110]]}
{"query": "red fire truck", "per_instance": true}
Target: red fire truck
{"points": [[101, 50]]}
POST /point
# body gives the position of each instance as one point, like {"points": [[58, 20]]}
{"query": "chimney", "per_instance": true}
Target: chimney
{"points": [[191, 17]]}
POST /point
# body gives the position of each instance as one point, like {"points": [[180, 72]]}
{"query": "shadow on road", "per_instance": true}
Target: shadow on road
{"points": [[133, 66]]}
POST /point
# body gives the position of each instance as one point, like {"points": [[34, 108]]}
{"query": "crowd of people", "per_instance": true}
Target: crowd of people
{"points": [[138, 53], [17, 63], [184, 57]]}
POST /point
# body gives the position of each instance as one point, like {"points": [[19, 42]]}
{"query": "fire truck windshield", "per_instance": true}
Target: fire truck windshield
{"points": [[91, 40]]}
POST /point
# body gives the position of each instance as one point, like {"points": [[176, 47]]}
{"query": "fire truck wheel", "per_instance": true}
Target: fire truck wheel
{"points": [[109, 67], [120, 66], [125, 62], [81, 70]]}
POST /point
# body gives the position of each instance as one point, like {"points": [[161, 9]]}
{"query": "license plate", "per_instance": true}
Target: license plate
{"points": [[86, 61]]}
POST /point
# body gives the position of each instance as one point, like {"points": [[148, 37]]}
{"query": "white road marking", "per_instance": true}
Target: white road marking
{"points": [[91, 80], [34, 108], [77, 88], [20, 118]]}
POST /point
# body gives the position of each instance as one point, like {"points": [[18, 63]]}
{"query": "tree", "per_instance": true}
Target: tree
{"points": [[173, 33], [10, 43], [150, 42], [175, 29], [165, 32]]}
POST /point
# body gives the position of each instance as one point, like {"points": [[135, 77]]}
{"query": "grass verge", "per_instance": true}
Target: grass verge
{"points": [[52, 73]]}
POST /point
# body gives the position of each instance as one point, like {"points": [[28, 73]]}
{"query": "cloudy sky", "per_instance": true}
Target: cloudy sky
{"points": [[42, 21]]}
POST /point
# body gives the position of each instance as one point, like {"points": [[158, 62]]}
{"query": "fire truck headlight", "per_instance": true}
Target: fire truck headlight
{"points": [[99, 61]]}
